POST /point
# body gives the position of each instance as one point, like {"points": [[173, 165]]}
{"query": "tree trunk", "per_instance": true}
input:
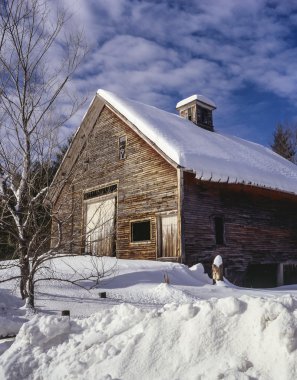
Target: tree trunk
{"points": [[25, 270], [30, 291]]}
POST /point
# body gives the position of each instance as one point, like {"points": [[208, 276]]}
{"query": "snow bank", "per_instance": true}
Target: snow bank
{"points": [[10, 323], [226, 338], [197, 271], [165, 293], [142, 282], [9, 327], [144, 272]]}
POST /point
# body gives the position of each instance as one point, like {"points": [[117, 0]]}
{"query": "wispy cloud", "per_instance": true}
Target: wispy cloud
{"points": [[160, 51]]}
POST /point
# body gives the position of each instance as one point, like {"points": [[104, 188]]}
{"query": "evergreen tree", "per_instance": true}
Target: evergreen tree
{"points": [[285, 142], [42, 174]]}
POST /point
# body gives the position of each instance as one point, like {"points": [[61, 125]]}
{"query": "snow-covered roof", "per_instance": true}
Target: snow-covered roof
{"points": [[199, 98], [212, 156]]}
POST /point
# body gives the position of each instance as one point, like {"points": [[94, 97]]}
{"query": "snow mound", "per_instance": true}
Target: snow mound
{"points": [[44, 330], [227, 338], [218, 261], [9, 327], [9, 322], [157, 295], [165, 293], [197, 271], [221, 283]]}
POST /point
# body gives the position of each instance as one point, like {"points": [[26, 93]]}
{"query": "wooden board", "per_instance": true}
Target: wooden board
{"points": [[147, 185]]}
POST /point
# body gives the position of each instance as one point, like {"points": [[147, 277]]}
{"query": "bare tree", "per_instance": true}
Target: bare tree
{"points": [[37, 60]]}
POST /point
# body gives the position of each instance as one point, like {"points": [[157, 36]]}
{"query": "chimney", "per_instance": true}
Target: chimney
{"points": [[198, 109]]}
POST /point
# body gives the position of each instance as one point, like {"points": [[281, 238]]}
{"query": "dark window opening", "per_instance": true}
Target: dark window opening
{"points": [[189, 113], [122, 147], [219, 230], [290, 274], [204, 116], [261, 276], [141, 231], [99, 192]]}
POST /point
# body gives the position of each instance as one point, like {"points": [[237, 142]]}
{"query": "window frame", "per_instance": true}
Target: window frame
{"points": [[100, 191], [90, 195], [190, 113], [131, 231], [119, 147], [94, 200]]}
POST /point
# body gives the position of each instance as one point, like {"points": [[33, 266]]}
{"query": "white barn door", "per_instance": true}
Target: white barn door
{"points": [[100, 226]]}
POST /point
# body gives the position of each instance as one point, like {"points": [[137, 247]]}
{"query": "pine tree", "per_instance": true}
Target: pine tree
{"points": [[285, 142], [42, 174]]}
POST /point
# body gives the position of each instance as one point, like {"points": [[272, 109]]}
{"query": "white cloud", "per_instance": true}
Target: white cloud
{"points": [[157, 51]]}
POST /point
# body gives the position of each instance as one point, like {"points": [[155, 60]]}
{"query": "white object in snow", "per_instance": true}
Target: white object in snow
{"points": [[218, 261]]}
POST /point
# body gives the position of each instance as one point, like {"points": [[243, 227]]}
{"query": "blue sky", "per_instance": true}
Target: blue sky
{"points": [[242, 54]]}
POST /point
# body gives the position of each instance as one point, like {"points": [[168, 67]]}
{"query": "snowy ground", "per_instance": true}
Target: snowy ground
{"points": [[187, 329]]}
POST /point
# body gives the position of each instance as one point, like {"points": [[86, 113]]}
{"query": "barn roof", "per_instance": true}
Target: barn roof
{"points": [[212, 156]]}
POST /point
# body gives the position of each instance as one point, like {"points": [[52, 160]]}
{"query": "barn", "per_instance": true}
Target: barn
{"points": [[138, 182]]}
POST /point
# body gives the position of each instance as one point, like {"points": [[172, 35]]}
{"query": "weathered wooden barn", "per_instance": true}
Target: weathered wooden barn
{"points": [[141, 183]]}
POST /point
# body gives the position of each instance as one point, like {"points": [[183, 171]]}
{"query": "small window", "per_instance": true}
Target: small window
{"points": [[219, 230], [204, 116], [141, 231], [122, 147], [189, 113]]}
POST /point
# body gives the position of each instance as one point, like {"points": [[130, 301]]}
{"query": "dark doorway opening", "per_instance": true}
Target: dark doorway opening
{"points": [[261, 276], [290, 274]]}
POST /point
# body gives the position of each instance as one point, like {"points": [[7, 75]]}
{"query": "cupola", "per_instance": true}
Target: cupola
{"points": [[198, 109]]}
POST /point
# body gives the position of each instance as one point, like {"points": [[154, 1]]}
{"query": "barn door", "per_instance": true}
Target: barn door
{"points": [[100, 226], [168, 236], [289, 273]]}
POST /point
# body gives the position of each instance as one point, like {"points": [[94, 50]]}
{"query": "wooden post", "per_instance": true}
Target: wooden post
{"points": [[217, 269], [166, 278], [180, 191]]}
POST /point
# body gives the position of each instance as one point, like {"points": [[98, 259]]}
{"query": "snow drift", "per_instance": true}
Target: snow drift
{"points": [[228, 338], [10, 320]]}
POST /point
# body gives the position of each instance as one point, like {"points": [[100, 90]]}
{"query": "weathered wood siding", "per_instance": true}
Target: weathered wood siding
{"points": [[147, 185], [260, 225]]}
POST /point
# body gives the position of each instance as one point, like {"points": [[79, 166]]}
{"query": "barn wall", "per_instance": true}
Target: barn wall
{"points": [[260, 226], [147, 185]]}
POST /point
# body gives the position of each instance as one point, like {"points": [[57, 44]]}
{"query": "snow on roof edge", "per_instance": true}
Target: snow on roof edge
{"points": [[211, 156], [200, 98]]}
